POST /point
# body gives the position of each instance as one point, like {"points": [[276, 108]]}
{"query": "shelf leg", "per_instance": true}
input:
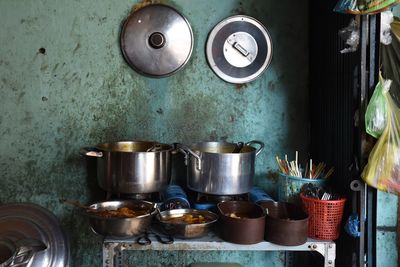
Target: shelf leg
{"points": [[327, 250], [112, 254]]}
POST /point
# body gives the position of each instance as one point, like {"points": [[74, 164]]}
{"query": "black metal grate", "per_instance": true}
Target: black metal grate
{"points": [[334, 86]]}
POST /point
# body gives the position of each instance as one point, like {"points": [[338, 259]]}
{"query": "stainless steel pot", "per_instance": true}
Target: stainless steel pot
{"points": [[117, 226], [132, 166], [216, 168]]}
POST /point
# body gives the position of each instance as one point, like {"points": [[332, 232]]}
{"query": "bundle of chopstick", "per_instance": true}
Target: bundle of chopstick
{"points": [[293, 168]]}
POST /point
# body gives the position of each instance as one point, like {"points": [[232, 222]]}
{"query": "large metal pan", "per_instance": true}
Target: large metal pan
{"points": [[219, 168], [130, 167], [119, 226], [185, 230]]}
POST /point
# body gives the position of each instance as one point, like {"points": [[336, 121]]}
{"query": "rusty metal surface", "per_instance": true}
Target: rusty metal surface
{"points": [[116, 252]]}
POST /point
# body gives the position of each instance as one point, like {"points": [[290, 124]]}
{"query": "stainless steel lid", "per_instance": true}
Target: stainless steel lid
{"points": [[25, 220], [156, 40], [239, 49]]}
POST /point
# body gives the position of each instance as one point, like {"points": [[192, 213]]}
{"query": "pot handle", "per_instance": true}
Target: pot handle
{"points": [[26, 250], [91, 152], [175, 148], [256, 142], [187, 151]]}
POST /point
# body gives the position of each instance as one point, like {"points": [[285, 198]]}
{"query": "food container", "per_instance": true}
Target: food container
{"points": [[130, 167], [285, 224], [289, 187], [121, 226], [173, 222], [214, 168], [241, 222]]}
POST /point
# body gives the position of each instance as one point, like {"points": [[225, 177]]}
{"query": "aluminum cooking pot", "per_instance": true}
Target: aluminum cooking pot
{"points": [[220, 168], [130, 167]]}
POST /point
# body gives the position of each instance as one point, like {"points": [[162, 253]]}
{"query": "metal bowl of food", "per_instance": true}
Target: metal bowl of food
{"points": [[121, 218], [186, 223]]}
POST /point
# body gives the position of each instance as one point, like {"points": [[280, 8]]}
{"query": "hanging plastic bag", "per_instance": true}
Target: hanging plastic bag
{"points": [[351, 35], [361, 7], [385, 31], [346, 6], [390, 60], [376, 114], [383, 168]]}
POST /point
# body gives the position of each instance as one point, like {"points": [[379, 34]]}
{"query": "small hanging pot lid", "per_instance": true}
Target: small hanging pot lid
{"points": [[239, 49], [156, 40]]}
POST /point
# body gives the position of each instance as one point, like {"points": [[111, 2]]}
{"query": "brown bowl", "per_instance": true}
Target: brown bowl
{"points": [[241, 222], [285, 224]]}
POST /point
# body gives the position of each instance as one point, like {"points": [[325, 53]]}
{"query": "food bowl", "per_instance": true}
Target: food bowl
{"points": [[121, 218], [285, 224], [186, 223], [241, 222]]}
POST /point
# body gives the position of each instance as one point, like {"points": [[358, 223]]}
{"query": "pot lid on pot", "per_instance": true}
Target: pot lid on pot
{"points": [[29, 221], [156, 40], [239, 49]]}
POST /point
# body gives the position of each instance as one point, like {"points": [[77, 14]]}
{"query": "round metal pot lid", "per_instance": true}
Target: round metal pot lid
{"points": [[239, 49], [156, 40], [25, 220]]}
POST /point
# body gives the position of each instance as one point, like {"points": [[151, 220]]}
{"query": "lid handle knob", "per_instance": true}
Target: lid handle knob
{"points": [[157, 40], [241, 49]]}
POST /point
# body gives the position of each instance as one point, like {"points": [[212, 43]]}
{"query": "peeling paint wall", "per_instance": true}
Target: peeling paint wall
{"points": [[64, 85], [387, 230], [387, 234]]}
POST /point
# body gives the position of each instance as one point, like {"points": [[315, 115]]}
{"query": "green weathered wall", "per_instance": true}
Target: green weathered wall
{"points": [[78, 91], [387, 239]]}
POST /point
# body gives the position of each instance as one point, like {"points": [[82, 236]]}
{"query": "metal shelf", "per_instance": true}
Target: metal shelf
{"points": [[114, 247]]}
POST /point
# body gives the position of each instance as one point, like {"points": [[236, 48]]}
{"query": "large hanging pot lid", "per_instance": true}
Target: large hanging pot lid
{"points": [[239, 49], [156, 40], [20, 221]]}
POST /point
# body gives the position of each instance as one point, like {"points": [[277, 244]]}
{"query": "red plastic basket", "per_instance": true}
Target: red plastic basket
{"points": [[325, 217]]}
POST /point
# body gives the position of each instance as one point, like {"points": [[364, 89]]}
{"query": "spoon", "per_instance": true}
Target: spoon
{"points": [[155, 148], [238, 147], [159, 214], [77, 204]]}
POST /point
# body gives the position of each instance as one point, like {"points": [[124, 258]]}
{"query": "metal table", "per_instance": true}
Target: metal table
{"points": [[114, 247]]}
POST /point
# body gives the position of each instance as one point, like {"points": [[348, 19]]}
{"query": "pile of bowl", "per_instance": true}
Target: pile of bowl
{"points": [[244, 222]]}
